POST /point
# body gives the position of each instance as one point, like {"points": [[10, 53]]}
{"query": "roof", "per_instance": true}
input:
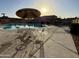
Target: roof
{"points": [[28, 13]]}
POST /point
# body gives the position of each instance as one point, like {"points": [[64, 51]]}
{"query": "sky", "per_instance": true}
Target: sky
{"points": [[61, 8]]}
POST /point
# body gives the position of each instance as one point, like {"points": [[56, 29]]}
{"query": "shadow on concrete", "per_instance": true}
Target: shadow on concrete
{"points": [[4, 46], [74, 30], [76, 41]]}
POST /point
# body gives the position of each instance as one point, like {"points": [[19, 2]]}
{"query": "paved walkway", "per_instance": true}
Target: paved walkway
{"points": [[60, 44], [55, 42]]}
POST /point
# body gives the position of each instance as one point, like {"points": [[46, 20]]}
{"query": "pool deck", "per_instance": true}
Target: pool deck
{"points": [[57, 43]]}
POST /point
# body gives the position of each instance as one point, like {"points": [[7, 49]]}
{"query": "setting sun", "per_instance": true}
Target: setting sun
{"points": [[45, 7], [44, 11]]}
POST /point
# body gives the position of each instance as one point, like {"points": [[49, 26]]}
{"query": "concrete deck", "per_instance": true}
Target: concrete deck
{"points": [[57, 43]]}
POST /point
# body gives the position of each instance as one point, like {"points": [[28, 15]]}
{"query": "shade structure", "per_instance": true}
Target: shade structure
{"points": [[28, 13]]}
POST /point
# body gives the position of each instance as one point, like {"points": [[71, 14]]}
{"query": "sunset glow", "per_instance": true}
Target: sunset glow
{"points": [[62, 8], [44, 11]]}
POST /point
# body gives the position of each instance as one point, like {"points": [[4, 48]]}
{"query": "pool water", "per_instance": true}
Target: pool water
{"points": [[18, 26]]}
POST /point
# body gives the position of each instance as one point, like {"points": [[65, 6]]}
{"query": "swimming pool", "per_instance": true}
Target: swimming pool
{"points": [[18, 26]]}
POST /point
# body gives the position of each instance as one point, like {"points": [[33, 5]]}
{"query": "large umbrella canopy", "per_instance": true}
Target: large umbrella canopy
{"points": [[28, 13]]}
